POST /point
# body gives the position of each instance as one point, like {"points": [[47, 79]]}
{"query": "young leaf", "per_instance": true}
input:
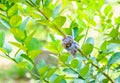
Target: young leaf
{"points": [[64, 58], [33, 53], [19, 35], [75, 32], [2, 50], [38, 2], [107, 9], [15, 20], [84, 71], [41, 64], [19, 46], [13, 10], [58, 79], [74, 63], [29, 37], [53, 77], [104, 45], [114, 58], [27, 58], [34, 44], [5, 22], [46, 2], [50, 72], [47, 12], [3, 7], [22, 64], [87, 48], [90, 40], [45, 22], [114, 33], [7, 47], [2, 38], [56, 11], [43, 70], [52, 37], [23, 25], [78, 38], [59, 21]]}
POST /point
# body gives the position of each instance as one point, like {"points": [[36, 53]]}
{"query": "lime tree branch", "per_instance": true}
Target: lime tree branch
{"points": [[79, 50]]}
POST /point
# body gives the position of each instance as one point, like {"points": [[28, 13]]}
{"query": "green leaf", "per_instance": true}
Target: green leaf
{"points": [[87, 48], [68, 31], [69, 71], [7, 47], [50, 72], [24, 23], [34, 53], [46, 23], [74, 63], [110, 15], [43, 70], [84, 71], [26, 57], [47, 12], [107, 9], [64, 57], [4, 20], [53, 77], [15, 20], [104, 45], [114, 58], [18, 57], [75, 32], [3, 7], [55, 46], [29, 37], [58, 79], [56, 11], [19, 46], [59, 21], [114, 33], [22, 64], [3, 50], [46, 2], [117, 80], [78, 38], [19, 35], [101, 56], [34, 44], [13, 10], [2, 38], [52, 37], [82, 24], [63, 81], [41, 64], [38, 2], [90, 40], [114, 41]]}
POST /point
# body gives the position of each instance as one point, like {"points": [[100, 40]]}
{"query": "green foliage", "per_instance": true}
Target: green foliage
{"points": [[84, 71], [114, 58], [40, 25], [74, 63], [2, 38], [59, 21]]}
